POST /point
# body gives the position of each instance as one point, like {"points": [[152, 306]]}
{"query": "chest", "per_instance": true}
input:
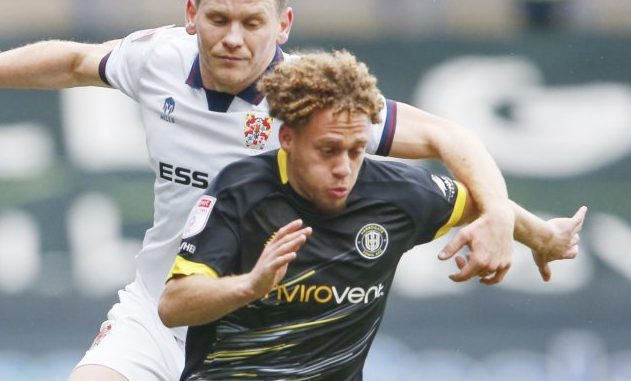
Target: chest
{"points": [[361, 247], [183, 133]]}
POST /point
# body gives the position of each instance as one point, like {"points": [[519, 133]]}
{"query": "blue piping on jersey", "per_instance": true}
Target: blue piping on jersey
{"points": [[102, 65], [219, 101], [390, 126]]}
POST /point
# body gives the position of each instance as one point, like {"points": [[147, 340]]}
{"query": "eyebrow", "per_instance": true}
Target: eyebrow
{"points": [[255, 11]]}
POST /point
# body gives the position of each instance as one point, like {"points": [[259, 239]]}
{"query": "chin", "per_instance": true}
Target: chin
{"points": [[332, 208]]}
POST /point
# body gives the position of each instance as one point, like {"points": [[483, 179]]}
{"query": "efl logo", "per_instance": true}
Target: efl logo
{"points": [[205, 202], [198, 217]]}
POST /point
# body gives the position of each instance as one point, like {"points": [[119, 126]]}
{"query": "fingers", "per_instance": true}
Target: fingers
{"points": [[489, 273], [571, 253], [282, 248], [468, 271], [461, 262], [579, 218], [290, 237], [580, 214], [454, 246], [282, 232], [545, 272], [500, 273], [283, 260]]}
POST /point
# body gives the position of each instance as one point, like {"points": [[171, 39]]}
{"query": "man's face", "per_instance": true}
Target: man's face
{"points": [[324, 157], [237, 39]]}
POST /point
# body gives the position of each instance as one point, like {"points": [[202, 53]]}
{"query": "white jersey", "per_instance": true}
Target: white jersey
{"points": [[191, 133]]}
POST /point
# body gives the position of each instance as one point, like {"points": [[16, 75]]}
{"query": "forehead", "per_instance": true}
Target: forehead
{"points": [[324, 125], [248, 6]]}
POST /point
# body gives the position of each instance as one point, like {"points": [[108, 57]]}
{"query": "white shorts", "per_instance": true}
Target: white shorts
{"points": [[135, 343]]}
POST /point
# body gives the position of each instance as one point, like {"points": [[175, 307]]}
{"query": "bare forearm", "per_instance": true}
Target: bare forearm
{"points": [[422, 135], [52, 65], [530, 230], [197, 299]]}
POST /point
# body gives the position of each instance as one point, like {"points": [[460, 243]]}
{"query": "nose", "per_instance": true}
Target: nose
{"points": [[234, 36], [342, 167]]}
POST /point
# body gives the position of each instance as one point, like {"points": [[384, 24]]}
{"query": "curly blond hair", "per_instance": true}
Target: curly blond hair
{"points": [[296, 89]]}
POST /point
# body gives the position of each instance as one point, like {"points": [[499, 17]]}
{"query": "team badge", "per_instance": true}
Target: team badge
{"points": [[257, 131], [372, 241], [198, 217], [106, 327]]}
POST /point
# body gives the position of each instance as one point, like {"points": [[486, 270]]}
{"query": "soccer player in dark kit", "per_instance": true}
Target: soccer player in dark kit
{"points": [[287, 260]]}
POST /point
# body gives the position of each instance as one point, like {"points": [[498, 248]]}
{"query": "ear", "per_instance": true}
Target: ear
{"points": [[191, 11], [286, 137], [286, 20]]}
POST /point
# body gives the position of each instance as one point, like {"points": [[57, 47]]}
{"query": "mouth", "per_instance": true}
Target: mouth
{"points": [[338, 192], [230, 58]]}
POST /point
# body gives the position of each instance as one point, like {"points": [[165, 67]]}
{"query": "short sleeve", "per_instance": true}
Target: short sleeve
{"points": [[123, 67], [382, 134], [209, 243], [456, 195], [440, 203]]}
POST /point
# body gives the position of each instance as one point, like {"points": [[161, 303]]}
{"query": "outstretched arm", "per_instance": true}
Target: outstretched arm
{"points": [[198, 299], [53, 65], [423, 135], [549, 241]]}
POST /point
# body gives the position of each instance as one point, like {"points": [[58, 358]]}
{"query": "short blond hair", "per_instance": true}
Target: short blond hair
{"points": [[280, 4], [297, 88]]}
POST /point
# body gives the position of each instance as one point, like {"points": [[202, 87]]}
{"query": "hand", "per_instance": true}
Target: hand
{"points": [[490, 241], [271, 266], [563, 244]]}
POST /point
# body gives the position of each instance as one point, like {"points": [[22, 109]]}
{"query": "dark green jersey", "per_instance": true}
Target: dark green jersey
{"points": [[317, 324]]}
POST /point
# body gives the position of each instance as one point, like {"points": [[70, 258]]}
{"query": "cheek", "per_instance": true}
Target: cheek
{"points": [[260, 41], [315, 174]]}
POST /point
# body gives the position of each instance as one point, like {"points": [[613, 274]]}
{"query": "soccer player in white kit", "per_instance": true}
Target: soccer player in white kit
{"points": [[196, 89]]}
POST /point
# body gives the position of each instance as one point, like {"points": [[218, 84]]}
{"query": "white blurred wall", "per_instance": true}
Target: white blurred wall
{"points": [[324, 18]]}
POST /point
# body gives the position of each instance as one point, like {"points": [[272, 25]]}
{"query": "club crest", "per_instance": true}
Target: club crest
{"points": [[257, 131], [371, 241]]}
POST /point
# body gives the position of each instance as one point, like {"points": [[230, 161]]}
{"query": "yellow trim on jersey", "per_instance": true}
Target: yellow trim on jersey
{"points": [[301, 325], [236, 355], [281, 157], [251, 375], [456, 214], [304, 276], [183, 267]]}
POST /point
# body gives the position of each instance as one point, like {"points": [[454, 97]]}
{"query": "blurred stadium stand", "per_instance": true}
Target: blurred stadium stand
{"points": [[554, 108], [323, 18]]}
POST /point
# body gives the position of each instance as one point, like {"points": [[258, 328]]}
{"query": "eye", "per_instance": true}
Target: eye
{"points": [[355, 153], [218, 20], [327, 151], [253, 24]]}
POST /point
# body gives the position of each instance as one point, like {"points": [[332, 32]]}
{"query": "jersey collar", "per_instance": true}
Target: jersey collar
{"points": [[281, 159], [219, 101]]}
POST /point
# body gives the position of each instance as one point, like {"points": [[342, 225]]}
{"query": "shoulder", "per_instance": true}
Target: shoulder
{"points": [[290, 57], [162, 33], [248, 173], [162, 38], [406, 182], [389, 170]]}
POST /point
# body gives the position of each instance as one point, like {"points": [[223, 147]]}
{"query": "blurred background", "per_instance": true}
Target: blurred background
{"points": [[546, 84]]}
